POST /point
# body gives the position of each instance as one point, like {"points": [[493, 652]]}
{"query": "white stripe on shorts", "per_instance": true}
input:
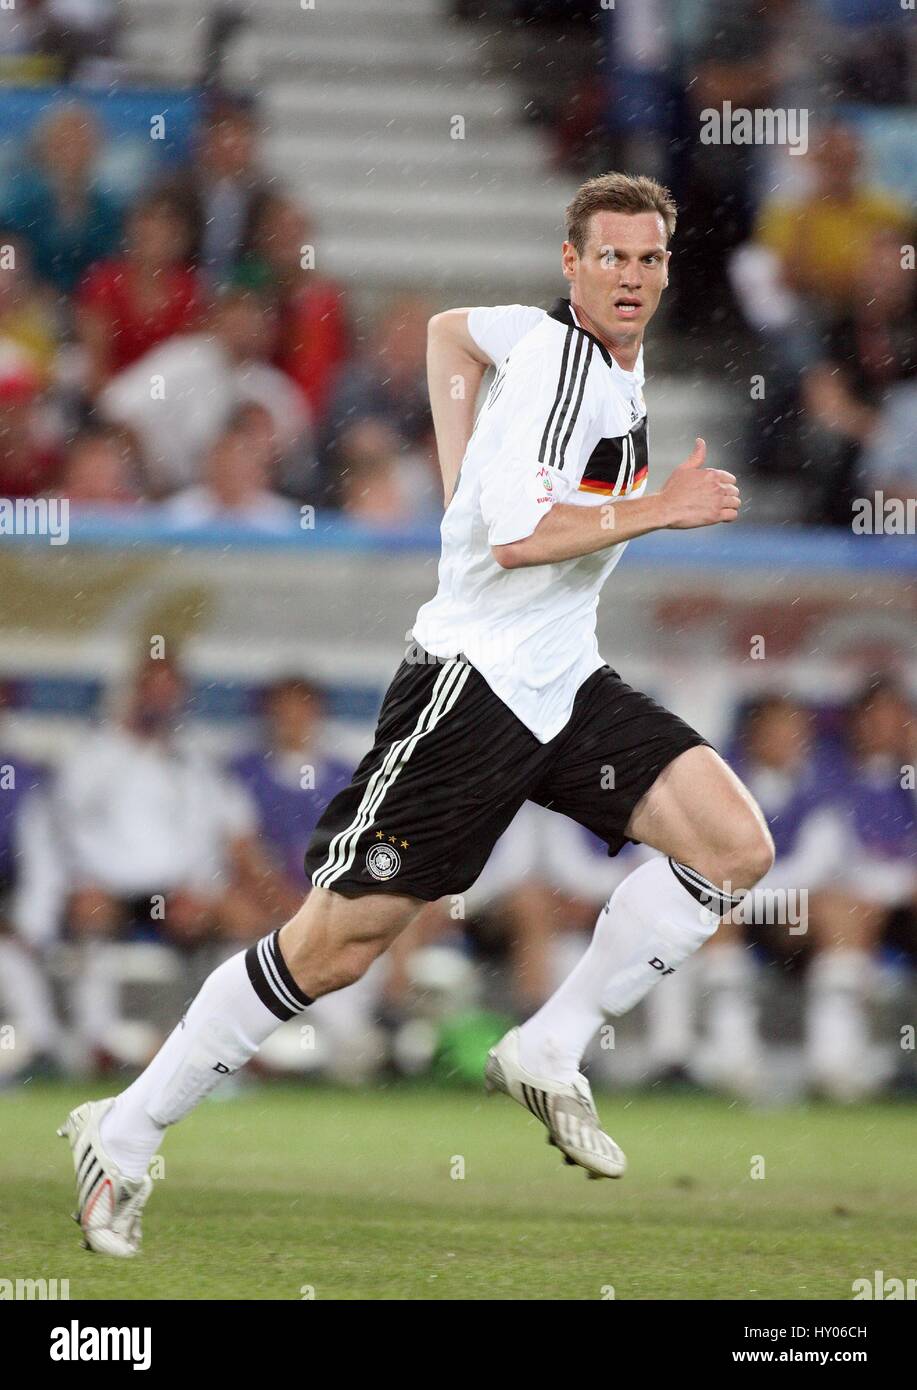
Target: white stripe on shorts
{"points": [[343, 848]]}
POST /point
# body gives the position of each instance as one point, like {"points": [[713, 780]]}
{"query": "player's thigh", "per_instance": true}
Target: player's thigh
{"points": [[699, 812], [617, 745]]}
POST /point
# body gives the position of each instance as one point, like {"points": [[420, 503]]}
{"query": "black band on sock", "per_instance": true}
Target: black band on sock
{"points": [[272, 981], [706, 893]]}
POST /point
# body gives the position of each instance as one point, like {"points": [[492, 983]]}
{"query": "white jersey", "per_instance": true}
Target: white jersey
{"points": [[562, 423]]}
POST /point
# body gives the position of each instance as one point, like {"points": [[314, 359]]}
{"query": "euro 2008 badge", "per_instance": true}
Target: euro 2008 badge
{"points": [[545, 479], [383, 861]]}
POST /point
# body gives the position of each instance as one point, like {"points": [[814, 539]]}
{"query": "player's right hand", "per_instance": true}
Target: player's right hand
{"points": [[699, 496]]}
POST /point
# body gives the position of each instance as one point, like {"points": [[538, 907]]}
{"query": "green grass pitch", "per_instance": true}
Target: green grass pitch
{"points": [[356, 1195]]}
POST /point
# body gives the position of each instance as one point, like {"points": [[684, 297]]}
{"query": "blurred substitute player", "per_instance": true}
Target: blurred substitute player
{"points": [[502, 698]]}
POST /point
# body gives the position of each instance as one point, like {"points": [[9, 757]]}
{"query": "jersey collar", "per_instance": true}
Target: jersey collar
{"points": [[562, 311]]}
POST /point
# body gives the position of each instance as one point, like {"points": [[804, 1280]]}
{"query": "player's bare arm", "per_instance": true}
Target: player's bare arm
{"points": [[455, 370], [693, 496]]}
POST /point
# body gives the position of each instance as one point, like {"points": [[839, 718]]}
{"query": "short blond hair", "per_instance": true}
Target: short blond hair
{"points": [[629, 193]]}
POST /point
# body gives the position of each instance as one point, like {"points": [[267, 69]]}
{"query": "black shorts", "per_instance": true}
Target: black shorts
{"points": [[451, 765]]}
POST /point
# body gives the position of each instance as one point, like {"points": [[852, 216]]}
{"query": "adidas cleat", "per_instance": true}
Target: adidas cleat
{"points": [[565, 1108], [109, 1205]]}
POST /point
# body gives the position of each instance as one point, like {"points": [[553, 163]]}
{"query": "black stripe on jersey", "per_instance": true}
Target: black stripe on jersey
{"points": [[576, 405], [631, 465], [563, 313], [553, 460], [557, 435], [605, 465], [558, 396]]}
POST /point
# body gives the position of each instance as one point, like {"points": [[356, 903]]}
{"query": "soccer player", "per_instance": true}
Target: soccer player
{"points": [[502, 698]]}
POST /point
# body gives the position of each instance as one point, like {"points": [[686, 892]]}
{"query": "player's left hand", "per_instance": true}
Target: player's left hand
{"points": [[698, 496]]}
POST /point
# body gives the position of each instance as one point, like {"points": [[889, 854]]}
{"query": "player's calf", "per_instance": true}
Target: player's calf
{"points": [[332, 941]]}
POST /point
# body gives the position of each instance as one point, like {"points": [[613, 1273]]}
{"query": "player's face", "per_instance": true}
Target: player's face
{"points": [[618, 280]]}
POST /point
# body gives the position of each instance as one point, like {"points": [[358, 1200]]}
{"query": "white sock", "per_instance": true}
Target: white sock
{"points": [[659, 916], [670, 1020], [239, 1005]]}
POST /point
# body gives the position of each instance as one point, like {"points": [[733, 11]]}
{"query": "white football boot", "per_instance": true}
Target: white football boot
{"points": [[109, 1204], [565, 1108]]}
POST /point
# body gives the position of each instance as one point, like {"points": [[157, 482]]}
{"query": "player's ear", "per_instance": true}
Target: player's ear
{"points": [[568, 260]]}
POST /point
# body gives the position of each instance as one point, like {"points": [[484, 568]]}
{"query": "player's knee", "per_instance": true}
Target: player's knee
{"points": [[734, 853], [750, 853]]}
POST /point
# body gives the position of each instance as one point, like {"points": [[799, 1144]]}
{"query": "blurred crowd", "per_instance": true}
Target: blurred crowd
{"points": [[181, 353], [793, 274], [827, 283], [56, 40], [141, 857]]}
